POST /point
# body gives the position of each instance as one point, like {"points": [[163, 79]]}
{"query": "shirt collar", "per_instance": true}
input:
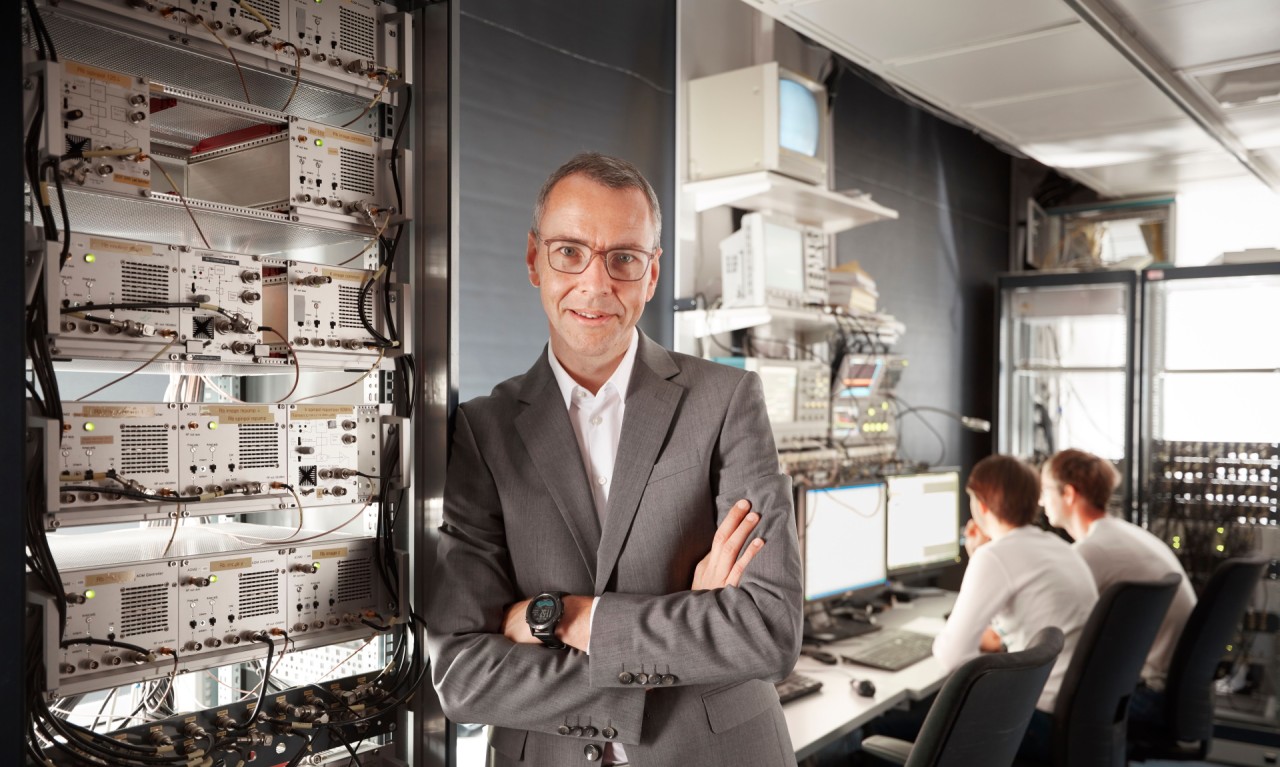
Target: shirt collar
{"points": [[620, 379]]}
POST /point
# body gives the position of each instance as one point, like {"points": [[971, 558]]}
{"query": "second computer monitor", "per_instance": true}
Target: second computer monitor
{"points": [[843, 535], [923, 521]]}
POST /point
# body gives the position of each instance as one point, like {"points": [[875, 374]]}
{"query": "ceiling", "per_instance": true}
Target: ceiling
{"points": [[1131, 97]]}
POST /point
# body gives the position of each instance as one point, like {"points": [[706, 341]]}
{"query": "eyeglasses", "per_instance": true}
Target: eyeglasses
{"points": [[570, 257]]}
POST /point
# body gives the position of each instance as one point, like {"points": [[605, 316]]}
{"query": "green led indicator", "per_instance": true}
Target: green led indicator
{"points": [[213, 425], [90, 594], [89, 258], [88, 426], [213, 579], [319, 142]]}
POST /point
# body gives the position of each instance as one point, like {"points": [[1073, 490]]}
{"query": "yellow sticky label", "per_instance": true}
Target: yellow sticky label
{"points": [[131, 180], [116, 411], [240, 413], [105, 439], [105, 579], [223, 565], [320, 412], [349, 275], [120, 246], [329, 553], [349, 137], [74, 69]]}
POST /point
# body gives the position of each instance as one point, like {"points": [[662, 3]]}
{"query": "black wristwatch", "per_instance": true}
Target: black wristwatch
{"points": [[543, 615]]}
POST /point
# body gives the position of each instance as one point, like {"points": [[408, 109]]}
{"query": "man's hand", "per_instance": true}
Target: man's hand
{"points": [[991, 641], [726, 562], [974, 538]]}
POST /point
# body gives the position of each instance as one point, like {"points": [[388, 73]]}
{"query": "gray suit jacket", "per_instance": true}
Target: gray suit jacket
{"points": [[519, 519]]}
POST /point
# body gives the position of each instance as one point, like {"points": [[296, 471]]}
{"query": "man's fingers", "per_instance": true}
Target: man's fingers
{"points": [[730, 523], [739, 536], [739, 567]]}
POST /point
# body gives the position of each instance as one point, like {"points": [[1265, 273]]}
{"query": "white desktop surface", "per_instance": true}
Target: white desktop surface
{"points": [[817, 720]]}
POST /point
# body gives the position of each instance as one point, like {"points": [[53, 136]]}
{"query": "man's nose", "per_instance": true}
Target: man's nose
{"points": [[595, 278]]}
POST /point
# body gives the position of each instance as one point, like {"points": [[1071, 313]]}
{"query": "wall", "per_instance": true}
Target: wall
{"points": [[935, 266], [539, 82]]}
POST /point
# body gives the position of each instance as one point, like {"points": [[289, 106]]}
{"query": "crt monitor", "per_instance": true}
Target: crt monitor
{"points": [[842, 534], [762, 118], [923, 521]]}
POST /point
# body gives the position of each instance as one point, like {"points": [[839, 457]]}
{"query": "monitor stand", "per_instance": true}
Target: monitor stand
{"points": [[820, 626]]}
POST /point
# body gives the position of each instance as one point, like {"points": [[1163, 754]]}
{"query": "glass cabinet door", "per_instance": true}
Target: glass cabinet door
{"points": [[1066, 367]]}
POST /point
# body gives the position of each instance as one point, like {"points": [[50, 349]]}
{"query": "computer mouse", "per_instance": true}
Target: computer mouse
{"points": [[864, 687]]}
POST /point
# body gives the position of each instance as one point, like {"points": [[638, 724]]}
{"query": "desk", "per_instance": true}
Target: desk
{"points": [[823, 718]]}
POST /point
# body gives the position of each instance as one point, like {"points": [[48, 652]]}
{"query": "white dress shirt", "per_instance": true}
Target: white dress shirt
{"points": [[1020, 583], [1116, 550], [597, 425]]}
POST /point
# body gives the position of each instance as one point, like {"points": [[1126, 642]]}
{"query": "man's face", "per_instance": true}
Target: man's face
{"points": [[1051, 499], [591, 315]]}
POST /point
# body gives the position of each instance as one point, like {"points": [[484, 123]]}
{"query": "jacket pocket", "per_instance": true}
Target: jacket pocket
{"points": [[731, 706], [680, 462], [508, 742]]}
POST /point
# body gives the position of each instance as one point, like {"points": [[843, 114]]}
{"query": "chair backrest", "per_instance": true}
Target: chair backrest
{"points": [[1188, 689], [983, 708], [1091, 715]]}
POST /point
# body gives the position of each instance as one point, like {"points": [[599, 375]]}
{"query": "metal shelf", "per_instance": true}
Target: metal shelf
{"points": [[714, 321], [162, 218], [767, 191]]}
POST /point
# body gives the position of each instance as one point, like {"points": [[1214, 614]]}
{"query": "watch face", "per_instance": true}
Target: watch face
{"points": [[542, 611]]}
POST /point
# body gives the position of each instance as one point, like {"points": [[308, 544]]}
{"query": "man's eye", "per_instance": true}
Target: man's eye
{"points": [[569, 251], [625, 258]]}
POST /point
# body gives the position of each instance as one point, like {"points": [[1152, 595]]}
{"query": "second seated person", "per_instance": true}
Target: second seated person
{"points": [[1020, 579]]}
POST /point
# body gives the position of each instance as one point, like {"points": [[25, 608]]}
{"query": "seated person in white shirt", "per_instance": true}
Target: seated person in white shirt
{"points": [[1020, 579], [1075, 487]]}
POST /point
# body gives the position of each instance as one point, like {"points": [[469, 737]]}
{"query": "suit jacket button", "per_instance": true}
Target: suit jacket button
{"points": [[588, 732], [592, 752], [609, 733], [668, 679], [563, 729], [625, 677], [642, 678]]}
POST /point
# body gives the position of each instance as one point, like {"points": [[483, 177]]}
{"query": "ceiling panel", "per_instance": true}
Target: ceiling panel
{"points": [[1080, 113], [1072, 58], [1190, 34], [1257, 126], [891, 29], [1166, 173], [1179, 136]]}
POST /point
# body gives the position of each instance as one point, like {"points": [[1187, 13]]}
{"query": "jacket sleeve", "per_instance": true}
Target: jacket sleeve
{"points": [[720, 636], [479, 674]]}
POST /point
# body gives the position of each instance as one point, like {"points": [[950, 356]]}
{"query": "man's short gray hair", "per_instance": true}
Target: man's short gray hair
{"points": [[612, 172]]}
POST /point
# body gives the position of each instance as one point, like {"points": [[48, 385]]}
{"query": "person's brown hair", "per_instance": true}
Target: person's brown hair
{"points": [[1008, 487], [1092, 477], [612, 172]]}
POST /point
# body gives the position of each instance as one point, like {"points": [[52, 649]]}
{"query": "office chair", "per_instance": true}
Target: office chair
{"points": [[1188, 695], [981, 712], [1091, 714]]}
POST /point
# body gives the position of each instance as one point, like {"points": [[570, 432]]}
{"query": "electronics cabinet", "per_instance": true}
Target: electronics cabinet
{"points": [[1066, 370], [233, 209]]}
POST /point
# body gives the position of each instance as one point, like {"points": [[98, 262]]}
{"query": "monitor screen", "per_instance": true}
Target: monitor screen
{"points": [[923, 520], [784, 258], [779, 384], [844, 529], [799, 117]]}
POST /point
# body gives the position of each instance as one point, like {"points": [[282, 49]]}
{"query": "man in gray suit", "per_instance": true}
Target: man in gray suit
{"points": [[589, 599]]}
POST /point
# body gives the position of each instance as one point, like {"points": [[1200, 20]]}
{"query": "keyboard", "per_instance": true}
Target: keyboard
{"points": [[796, 686], [891, 650]]}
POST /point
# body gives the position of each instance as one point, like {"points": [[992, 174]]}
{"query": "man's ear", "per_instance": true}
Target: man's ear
{"points": [[1069, 495], [531, 260], [653, 275]]}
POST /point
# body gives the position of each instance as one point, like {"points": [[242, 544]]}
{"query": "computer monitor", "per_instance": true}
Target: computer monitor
{"points": [[842, 536], [772, 261], [923, 521], [759, 118]]}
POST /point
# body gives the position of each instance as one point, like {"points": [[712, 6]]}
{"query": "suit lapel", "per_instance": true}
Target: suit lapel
{"points": [[651, 404], [544, 427]]}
